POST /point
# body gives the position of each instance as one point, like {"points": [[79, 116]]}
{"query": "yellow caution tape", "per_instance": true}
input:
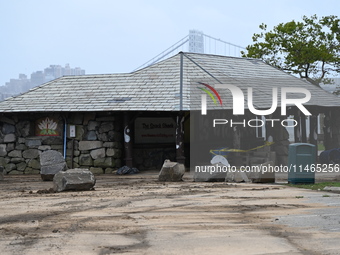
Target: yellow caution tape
{"points": [[238, 150]]}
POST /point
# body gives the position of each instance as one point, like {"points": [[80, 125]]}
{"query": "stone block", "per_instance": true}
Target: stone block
{"points": [[9, 167], [171, 171], [109, 170], [15, 172], [44, 148], [8, 129], [74, 179], [21, 140], [96, 170], [33, 143], [51, 157], [98, 153], [110, 152], [31, 153], [90, 145], [57, 147], [47, 172], [21, 166], [116, 153], [9, 138], [10, 146], [104, 162], [23, 128], [52, 140], [29, 170], [15, 154], [4, 161], [237, 176], [332, 189], [51, 163], [92, 125], [103, 137], [109, 144], [3, 150], [17, 160], [34, 163], [21, 147], [91, 136], [204, 174], [262, 177], [85, 160], [106, 127]]}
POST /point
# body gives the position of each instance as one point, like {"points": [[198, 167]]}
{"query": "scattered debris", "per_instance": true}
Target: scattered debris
{"points": [[45, 191], [171, 171], [51, 163], [262, 176], [332, 189], [238, 176], [74, 179], [127, 170]]}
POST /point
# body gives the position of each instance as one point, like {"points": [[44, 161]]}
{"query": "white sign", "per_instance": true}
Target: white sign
{"points": [[155, 130]]}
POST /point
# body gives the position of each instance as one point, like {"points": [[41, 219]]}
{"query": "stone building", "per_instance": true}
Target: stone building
{"points": [[105, 121]]}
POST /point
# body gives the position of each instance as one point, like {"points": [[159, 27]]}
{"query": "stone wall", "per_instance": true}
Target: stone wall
{"points": [[97, 145], [98, 142]]}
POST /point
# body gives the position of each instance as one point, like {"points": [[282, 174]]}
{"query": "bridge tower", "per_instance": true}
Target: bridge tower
{"points": [[196, 41]]}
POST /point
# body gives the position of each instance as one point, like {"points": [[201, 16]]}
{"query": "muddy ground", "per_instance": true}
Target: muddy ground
{"points": [[136, 214]]}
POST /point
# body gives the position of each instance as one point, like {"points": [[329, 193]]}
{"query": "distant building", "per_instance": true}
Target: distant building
{"points": [[21, 85]]}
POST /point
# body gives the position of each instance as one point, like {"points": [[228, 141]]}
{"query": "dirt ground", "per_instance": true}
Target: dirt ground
{"points": [[136, 214]]}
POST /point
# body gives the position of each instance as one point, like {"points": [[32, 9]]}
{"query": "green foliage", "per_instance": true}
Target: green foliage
{"points": [[310, 49]]}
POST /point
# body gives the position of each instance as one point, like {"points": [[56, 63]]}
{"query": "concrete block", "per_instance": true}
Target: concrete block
{"points": [[171, 171], [262, 177], [74, 179], [47, 172]]}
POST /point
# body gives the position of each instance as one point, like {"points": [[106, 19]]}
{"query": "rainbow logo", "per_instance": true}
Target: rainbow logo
{"points": [[207, 86]]}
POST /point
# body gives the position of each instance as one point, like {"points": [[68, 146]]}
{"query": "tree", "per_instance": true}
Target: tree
{"points": [[310, 49]]}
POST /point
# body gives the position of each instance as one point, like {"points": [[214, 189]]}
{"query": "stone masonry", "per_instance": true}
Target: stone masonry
{"points": [[97, 145]]}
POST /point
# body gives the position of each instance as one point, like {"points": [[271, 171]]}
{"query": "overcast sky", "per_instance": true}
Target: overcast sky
{"points": [[111, 36]]}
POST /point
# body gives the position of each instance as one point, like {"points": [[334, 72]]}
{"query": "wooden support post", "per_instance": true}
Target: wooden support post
{"points": [[180, 158], [259, 129], [303, 128], [297, 128], [127, 140], [313, 130]]}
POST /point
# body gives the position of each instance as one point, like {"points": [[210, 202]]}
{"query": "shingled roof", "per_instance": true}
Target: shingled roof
{"points": [[159, 87]]}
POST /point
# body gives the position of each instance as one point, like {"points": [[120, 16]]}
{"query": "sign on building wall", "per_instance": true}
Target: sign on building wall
{"points": [[47, 127], [155, 130]]}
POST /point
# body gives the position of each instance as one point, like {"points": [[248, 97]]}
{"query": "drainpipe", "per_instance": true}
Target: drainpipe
{"points": [[181, 83], [65, 136]]}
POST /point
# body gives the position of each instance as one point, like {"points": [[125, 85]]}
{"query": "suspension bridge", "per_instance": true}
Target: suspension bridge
{"points": [[198, 42]]}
